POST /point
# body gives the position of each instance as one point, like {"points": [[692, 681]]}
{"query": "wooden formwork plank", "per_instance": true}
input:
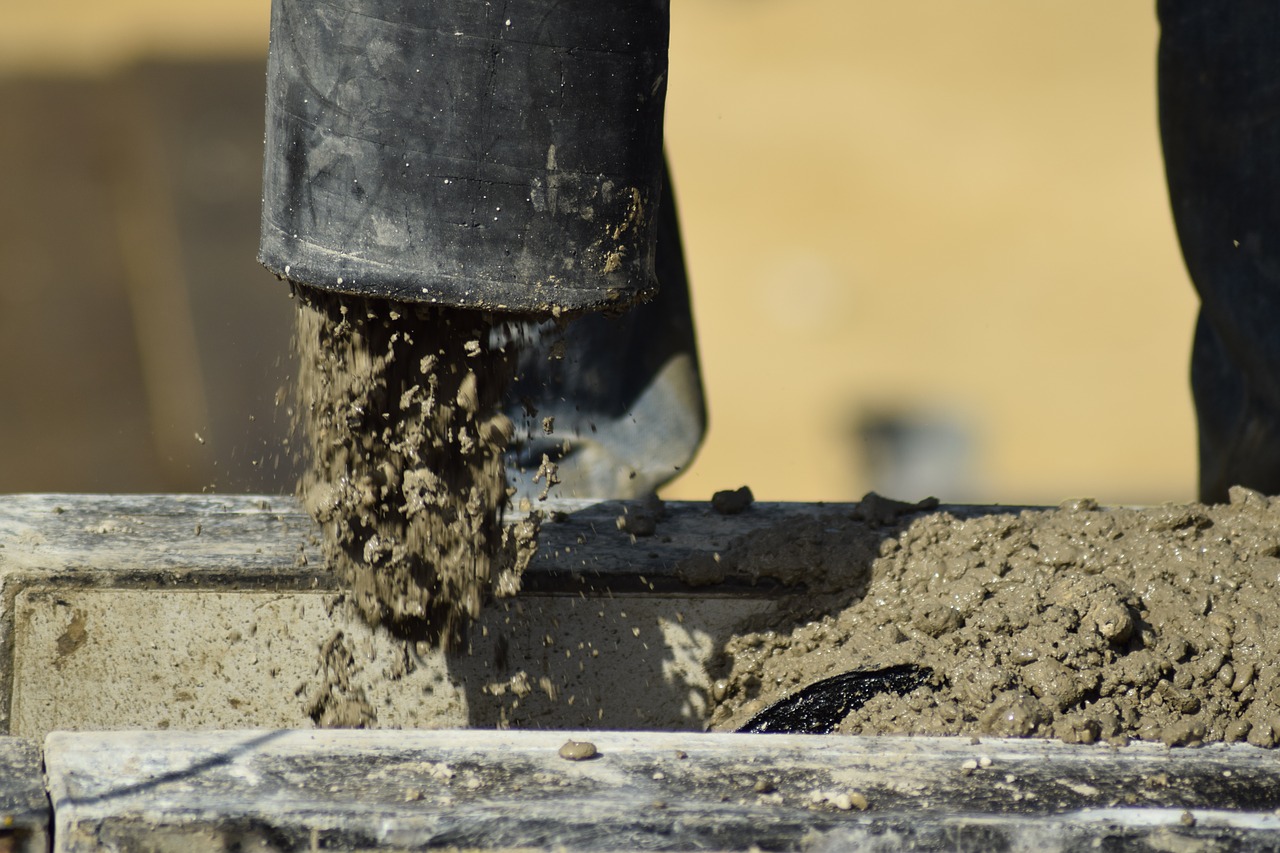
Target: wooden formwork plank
{"points": [[25, 816], [360, 790], [195, 539]]}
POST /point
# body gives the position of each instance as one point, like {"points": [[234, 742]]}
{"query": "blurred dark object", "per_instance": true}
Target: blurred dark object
{"points": [[1220, 125], [910, 452], [142, 348]]}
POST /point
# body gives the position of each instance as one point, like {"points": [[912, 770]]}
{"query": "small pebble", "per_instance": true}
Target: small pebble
{"points": [[1243, 677], [732, 501], [578, 750]]}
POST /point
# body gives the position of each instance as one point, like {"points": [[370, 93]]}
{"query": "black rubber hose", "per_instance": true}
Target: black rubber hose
{"points": [[499, 156], [819, 708]]}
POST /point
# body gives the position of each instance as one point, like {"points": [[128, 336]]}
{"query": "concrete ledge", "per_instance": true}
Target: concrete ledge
{"points": [[363, 790], [25, 816]]}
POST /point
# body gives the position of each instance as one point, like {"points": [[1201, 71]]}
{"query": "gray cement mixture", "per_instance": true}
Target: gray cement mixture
{"points": [[400, 409], [1077, 623]]}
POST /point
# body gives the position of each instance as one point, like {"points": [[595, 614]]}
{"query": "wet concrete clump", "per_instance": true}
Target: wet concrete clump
{"points": [[400, 408], [1078, 623]]}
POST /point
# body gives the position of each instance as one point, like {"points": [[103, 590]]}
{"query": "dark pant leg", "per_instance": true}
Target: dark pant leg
{"points": [[1219, 87]]}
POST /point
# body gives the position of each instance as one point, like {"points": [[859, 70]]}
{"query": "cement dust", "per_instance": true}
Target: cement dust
{"points": [[1076, 623], [400, 409]]}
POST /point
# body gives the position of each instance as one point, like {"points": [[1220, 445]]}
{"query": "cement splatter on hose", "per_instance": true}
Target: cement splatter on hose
{"points": [[400, 407]]}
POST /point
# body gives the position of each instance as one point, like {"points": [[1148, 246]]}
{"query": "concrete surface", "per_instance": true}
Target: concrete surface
{"points": [[360, 790]]}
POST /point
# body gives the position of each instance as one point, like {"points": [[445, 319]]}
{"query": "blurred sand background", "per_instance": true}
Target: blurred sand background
{"points": [[929, 246]]}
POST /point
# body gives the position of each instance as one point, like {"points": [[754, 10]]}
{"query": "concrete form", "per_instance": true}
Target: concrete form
{"points": [[198, 620], [193, 612], [24, 807]]}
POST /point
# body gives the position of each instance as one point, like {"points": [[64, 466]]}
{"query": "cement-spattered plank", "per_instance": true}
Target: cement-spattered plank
{"points": [[24, 805], [198, 611], [198, 538], [192, 539], [349, 790]]}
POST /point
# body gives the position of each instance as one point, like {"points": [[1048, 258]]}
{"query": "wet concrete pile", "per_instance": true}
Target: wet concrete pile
{"points": [[1078, 623]]}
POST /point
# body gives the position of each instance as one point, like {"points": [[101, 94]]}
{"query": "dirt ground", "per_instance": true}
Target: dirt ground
{"points": [[1079, 623]]}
